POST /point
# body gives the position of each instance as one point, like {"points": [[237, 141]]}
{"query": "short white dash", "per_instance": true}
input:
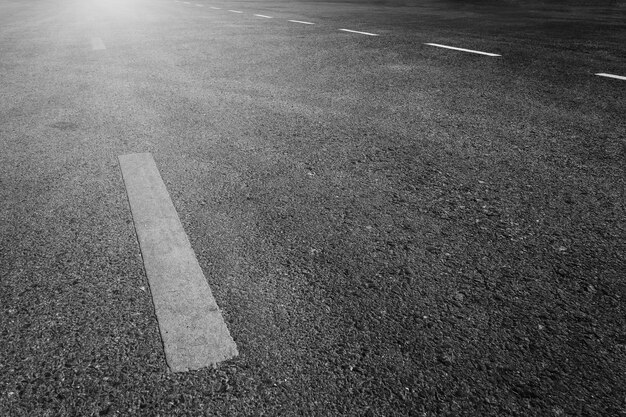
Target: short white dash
{"points": [[235, 11], [186, 2], [462, 49], [617, 77], [262, 15], [199, 5], [300, 21], [361, 33], [215, 8], [97, 44]]}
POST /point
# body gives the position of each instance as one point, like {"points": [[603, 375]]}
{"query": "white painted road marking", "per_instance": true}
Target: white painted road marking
{"points": [[199, 5], [235, 11], [362, 33], [617, 77], [215, 8], [262, 15], [300, 21], [97, 44], [192, 328], [461, 49], [186, 2]]}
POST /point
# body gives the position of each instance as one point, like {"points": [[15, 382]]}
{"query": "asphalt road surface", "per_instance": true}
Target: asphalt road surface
{"points": [[388, 227]]}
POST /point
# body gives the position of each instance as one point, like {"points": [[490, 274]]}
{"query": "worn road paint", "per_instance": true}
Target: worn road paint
{"points": [[362, 33], [215, 8], [192, 328], [300, 21], [262, 15], [97, 44], [461, 49], [199, 5], [617, 77], [235, 11]]}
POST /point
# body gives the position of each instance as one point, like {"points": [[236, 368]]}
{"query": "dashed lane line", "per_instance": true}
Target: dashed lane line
{"points": [[361, 33], [300, 21], [192, 328], [617, 77], [262, 15], [97, 44], [461, 49], [235, 11], [215, 8], [199, 5]]}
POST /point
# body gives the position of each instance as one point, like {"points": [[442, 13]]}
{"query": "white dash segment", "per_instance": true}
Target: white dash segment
{"points": [[300, 21], [215, 8], [617, 77], [199, 5], [192, 328], [361, 33], [461, 49], [97, 44], [186, 2], [235, 11], [262, 15]]}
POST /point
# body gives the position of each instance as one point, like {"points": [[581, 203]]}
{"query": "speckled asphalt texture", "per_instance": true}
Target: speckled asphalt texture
{"points": [[388, 227]]}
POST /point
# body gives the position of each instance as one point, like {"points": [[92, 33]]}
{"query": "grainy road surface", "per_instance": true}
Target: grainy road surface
{"points": [[388, 227]]}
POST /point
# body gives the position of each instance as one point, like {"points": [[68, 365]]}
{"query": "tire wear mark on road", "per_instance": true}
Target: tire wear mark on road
{"points": [[461, 49], [193, 330]]}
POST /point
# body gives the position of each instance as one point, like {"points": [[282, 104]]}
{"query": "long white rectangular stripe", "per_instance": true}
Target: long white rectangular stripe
{"points": [[617, 77], [97, 44], [262, 15], [192, 328], [300, 21], [361, 33], [235, 11], [461, 49]]}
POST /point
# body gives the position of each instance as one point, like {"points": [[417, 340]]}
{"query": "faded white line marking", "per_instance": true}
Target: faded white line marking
{"points": [[461, 49], [361, 33], [97, 44], [617, 77], [215, 8], [192, 328], [300, 21], [186, 2], [235, 11], [262, 15], [199, 5]]}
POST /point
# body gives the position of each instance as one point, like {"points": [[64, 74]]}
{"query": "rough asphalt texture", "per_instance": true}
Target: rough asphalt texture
{"points": [[389, 228]]}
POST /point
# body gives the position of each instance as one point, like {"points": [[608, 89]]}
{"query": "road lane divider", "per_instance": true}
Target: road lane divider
{"points": [[262, 15], [361, 33], [97, 44], [617, 77], [300, 21], [192, 328], [215, 8], [235, 11], [461, 49]]}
